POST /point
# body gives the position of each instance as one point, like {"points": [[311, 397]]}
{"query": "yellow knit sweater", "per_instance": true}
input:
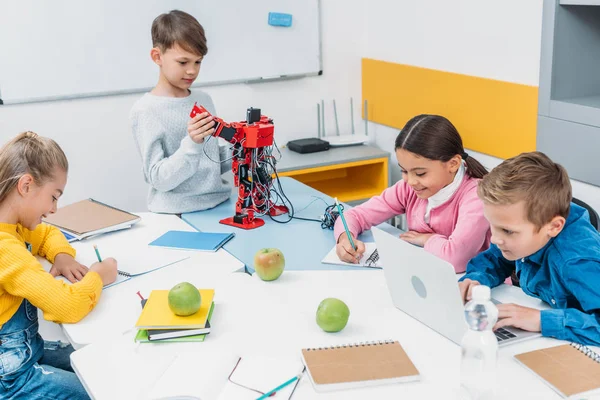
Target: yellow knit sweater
{"points": [[22, 276]]}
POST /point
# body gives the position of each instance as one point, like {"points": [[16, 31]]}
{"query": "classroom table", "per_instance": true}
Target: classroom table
{"points": [[276, 318], [303, 243]]}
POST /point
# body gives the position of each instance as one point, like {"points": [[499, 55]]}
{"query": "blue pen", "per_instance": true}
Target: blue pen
{"points": [[345, 225], [270, 393]]}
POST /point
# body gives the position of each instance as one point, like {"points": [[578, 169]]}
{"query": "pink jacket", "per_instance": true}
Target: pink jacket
{"points": [[460, 229]]}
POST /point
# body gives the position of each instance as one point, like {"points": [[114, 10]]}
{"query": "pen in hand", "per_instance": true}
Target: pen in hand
{"points": [[97, 253], [339, 207]]}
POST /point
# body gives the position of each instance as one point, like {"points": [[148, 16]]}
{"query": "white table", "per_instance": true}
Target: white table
{"points": [[119, 306], [278, 317]]}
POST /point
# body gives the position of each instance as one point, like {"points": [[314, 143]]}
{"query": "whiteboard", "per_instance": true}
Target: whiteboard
{"points": [[72, 48]]}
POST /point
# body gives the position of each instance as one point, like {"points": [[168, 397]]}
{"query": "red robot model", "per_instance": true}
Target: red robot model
{"points": [[253, 166]]}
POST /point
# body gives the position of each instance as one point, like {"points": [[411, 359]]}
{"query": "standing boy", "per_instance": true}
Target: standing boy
{"points": [[181, 161]]}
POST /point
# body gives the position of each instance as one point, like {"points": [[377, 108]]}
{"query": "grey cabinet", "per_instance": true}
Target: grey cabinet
{"points": [[569, 92]]}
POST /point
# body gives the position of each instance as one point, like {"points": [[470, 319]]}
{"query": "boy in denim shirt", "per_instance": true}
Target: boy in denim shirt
{"points": [[550, 244]]}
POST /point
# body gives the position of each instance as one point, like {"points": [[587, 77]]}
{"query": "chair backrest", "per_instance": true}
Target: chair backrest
{"points": [[594, 218]]}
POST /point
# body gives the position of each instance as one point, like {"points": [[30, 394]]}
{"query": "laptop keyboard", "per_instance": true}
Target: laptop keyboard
{"points": [[502, 334]]}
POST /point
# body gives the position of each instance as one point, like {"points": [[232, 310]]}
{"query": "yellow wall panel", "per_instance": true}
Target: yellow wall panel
{"points": [[493, 117]]}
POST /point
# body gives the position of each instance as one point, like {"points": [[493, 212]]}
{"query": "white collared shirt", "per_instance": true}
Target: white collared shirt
{"points": [[445, 193]]}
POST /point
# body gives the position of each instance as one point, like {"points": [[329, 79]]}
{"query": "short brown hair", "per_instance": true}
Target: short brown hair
{"points": [[178, 27], [31, 154], [533, 177]]}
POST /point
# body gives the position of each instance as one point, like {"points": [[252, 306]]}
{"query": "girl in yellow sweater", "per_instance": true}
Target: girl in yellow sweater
{"points": [[33, 175]]}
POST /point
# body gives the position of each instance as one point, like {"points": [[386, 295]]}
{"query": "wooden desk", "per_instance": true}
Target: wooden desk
{"points": [[352, 173]]}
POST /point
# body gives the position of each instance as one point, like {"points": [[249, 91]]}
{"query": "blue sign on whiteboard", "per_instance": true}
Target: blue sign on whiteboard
{"points": [[280, 19]]}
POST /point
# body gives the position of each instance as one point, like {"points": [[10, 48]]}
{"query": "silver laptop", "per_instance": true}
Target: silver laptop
{"points": [[425, 287]]}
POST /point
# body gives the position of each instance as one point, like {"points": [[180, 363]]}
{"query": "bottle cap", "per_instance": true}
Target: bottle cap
{"points": [[481, 292]]}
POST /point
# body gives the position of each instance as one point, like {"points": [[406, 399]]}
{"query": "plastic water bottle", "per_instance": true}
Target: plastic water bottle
{"points": [[479, 347]]}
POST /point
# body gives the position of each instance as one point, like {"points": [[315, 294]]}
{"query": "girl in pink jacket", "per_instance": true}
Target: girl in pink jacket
{"points": [[438, 194]]}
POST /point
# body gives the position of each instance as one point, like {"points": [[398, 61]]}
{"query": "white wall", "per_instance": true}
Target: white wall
{"points": [[491, 39], [95, 132]]}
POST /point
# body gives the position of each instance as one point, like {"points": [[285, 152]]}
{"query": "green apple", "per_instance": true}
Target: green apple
{"points": [[269, 264], [332, 315], [184, 299]]}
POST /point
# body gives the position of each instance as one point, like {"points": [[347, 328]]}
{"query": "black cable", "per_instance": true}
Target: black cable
{"points": [[308, 219], [331, 214], [283, 196], [327, 220]]}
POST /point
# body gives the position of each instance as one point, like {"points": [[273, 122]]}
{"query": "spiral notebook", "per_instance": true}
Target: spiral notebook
{"points": [[90, 217], [569, 369], [358, 365], [369, 259]]}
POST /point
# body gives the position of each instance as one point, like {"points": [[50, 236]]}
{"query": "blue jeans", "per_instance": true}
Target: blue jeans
{"points": [[31, 368]]}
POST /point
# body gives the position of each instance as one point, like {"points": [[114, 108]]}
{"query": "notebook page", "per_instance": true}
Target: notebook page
{"points": [[262, 374], [190, 375], [370, 247], [138, 367], [135, 260]]}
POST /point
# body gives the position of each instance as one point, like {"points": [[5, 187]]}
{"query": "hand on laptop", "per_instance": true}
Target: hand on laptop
{"points": [[465, 289], [416, 238], [528, 319], [345, 251]]}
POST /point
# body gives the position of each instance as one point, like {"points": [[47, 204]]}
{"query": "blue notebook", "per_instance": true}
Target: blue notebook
{"points": [[201, 241]]}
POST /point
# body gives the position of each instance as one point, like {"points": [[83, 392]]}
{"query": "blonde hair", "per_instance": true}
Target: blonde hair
{"points": [[29, 153], [531, 177]]}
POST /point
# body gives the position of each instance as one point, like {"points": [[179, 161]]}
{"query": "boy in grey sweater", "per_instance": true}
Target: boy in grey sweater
{"points": [[182, 162]]}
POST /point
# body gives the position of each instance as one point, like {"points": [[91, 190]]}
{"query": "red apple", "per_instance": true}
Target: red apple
{"points": [[269, 264]]}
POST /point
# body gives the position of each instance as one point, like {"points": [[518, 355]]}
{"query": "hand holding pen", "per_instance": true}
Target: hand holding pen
{"points": [[348, 248], [107, 268]]}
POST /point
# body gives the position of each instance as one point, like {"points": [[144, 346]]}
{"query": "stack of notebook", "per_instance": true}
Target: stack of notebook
{"points": [[158, 323], [90, 217]]}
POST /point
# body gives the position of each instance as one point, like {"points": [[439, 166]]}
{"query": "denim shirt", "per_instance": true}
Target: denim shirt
{"points": [[565, 273]]}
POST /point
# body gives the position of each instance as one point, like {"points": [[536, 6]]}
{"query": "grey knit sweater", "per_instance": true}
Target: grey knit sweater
{"points": [[184, 176]]}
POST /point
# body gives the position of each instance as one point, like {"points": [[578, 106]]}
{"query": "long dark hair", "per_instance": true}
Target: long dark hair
{"points": [[435, 138]]}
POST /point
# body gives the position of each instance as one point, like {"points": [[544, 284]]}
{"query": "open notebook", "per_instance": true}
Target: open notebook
{"points": [[569, 369], [357, 365], [132, 261], [226, 377], [369, 259]]}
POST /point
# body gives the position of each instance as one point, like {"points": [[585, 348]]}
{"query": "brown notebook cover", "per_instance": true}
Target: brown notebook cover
{"points": [[569, 369], [358, 365], [89, 216]]}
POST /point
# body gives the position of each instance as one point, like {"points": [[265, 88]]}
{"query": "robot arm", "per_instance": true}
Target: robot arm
{"points": [[222, 128]]}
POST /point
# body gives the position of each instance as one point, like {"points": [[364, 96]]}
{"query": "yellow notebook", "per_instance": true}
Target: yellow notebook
{"points": [[157, 314]]}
